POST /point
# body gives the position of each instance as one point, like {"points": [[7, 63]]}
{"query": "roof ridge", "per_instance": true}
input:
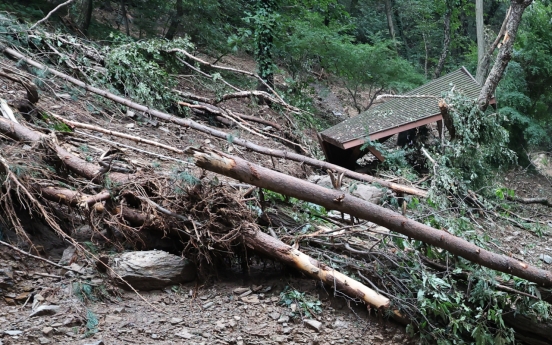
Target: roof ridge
{"points": [[434, 81]]}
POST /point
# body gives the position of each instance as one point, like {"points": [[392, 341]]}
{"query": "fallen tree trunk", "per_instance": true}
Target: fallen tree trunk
{"points": [[75, 164], [220, 134], [258, 241], [267, 245], [336, 200], [542, 201]]}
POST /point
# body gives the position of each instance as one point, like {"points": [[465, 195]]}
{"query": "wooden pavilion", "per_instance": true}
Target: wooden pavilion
{"points": [[341, 143]]}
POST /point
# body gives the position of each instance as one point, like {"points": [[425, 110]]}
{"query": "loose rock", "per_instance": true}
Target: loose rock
{"points": [[151, 270], [45, 310], [546, 258], [316, 325]]}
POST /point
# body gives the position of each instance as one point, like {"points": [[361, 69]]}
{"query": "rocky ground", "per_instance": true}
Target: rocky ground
{"points": [[42, 304]]}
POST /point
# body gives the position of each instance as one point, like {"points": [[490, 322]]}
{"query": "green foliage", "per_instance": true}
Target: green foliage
{"points": [[92, 323], [480, 150], [265, 21], [306, 306], [525, 93], [140, 70], [310, 45]]}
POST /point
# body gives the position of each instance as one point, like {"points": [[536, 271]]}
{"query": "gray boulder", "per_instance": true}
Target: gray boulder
{"points": [[152, 270], [368, 193]]}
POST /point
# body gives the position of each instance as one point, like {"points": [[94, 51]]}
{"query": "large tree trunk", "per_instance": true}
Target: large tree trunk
{"points": [[125, 17], [274, 248], [83, 15], [175, 22], [389, 14], [248, 172], [223, 135], [517, 7], [446, 41], [264, 43], [481, 44]]}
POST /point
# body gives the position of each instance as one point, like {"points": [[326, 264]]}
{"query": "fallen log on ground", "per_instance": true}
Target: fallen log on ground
{"points": [[267, 245], [336, 200], [78, 165], [542, 201], [220, 134], [258, 241]]}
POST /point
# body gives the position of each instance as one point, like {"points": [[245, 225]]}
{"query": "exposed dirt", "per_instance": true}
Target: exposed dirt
{"points": [[187, 314]]}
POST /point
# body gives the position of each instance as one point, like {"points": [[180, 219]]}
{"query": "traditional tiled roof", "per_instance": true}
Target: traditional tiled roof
{"points": [[399, 112]]}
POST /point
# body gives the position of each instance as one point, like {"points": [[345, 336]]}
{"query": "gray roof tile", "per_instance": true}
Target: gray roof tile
{"points": [[400, 111]]}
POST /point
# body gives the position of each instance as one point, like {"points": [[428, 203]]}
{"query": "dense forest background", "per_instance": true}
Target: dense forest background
{"points": [[365, 46]]}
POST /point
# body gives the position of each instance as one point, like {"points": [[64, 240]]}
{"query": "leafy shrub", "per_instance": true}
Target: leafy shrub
{"points": [[140, 70]]}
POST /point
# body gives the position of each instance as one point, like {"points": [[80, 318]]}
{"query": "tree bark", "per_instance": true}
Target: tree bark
{"points": [[176, 19], [389, 14], [336, 200], [125, 17], [517, 7], [220, 134], [264, 43], [267, 245], [446, 41], [480, 32], [83, 15]]}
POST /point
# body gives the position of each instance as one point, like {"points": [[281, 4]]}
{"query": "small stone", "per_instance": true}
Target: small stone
{"points": [[99, 342], [251, 299], [154, 336], [176, 320], [286, 330], [280, 338], [13, 332], [184, 334], [274, 315], [239, 291], [247, 293], [232, 323], [316, 325], [293, 307], [546, 258], [130, 125], [113, 319], [119, 310], [47, 330], [45, 310], [10, 301], [208, 305], [56, 325], [220, 326], [340, 324], [68, 256], [237, 318], [44, 340], [22, 297], [283, 319]]}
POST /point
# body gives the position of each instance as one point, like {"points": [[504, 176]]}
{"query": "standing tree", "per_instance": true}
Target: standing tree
{"points": [[513, 18], [389, 14], [175, 21], [265, 21], [482, 63], [81, 13], [446, 39]]}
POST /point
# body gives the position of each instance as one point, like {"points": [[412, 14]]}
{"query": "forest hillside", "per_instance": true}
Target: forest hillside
{"points": [[163, 177]]}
